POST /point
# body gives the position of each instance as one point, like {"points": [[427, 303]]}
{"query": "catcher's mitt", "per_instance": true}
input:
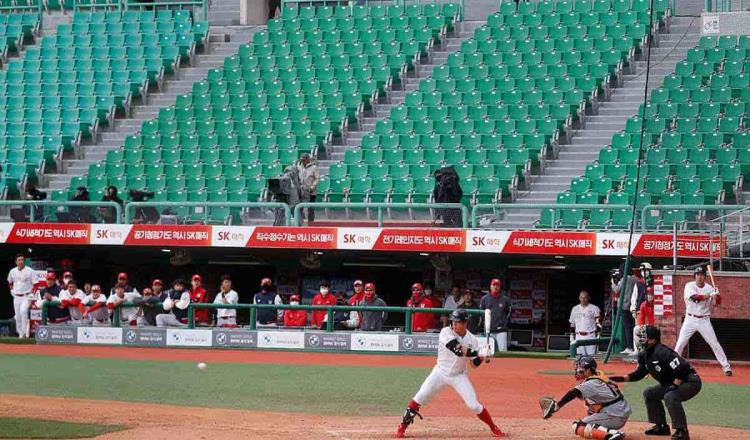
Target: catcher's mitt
{"points": [[549, 406]]}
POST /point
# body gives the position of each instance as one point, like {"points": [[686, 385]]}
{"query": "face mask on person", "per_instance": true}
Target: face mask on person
{"points": [[324, 290], [428, 292], [294, 303]]}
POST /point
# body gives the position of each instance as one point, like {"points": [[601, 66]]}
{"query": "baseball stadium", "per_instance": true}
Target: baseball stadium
{"points": [[427, 219]]}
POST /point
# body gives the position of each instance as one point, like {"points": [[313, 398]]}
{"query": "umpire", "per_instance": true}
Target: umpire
{"points": [[678, 382]]}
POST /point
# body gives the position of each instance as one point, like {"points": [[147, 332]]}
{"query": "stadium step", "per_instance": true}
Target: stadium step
{"points": [[381, 110], [610, 118], [113, 139], [223, 12]]}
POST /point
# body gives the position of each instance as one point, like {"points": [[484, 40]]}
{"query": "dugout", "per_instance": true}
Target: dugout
{"points": [[542, 288]]}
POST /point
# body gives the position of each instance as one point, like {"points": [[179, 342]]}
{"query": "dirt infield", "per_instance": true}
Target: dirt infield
{"points": [[509, 388]]}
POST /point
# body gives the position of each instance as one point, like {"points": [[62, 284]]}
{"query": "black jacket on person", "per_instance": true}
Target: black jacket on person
{"points": [[150, 306], [54, 313], [109, 215], [663, 364]]}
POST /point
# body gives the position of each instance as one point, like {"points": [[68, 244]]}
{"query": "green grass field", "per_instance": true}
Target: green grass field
{"points": [[15, 427], [287, 388]]}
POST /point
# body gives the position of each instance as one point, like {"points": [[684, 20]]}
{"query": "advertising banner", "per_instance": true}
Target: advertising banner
{"points": [[56, 335], [99, 335], [374, 342], [327, 341], [189, 338], [281, 339], [418, 343], [150, 337], [235, 338], [372, 239]]}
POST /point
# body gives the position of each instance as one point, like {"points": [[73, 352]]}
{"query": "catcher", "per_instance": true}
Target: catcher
{"points": [[607, 409]]}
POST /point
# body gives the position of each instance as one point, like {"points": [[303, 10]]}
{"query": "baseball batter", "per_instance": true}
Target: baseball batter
{"points": [[457, 348], [700, 299], [606, 407]]}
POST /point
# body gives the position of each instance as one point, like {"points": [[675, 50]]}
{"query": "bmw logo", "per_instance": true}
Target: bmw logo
{"points": [[408, 343], [86, 334], [130, 336], [221, 338], [43, 333], [314, 340], [267, 339], [176, 336], [360, 342]]}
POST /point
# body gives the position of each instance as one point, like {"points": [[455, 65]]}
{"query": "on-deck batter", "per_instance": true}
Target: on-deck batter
{"points": [[457, 348], [700, 299]]}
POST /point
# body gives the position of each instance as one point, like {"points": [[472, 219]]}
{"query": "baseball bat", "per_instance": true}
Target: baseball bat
{"points": [[710, 269]]}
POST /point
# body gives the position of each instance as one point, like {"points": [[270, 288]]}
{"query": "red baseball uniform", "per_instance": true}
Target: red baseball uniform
{"points": [[421, 322], [200, 295], [295, 318], [321, 300], [646, 314]]}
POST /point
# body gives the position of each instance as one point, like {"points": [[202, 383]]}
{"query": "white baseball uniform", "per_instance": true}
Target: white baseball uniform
{"points": [[100, 316], [226, 317], [22, 282], [127, 314], [168, 319], [451, 370], [699, 301], [584, 320], [75, 312]]}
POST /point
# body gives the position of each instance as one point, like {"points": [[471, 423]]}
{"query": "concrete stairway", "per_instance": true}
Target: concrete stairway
{"points": [[115, 138], [382, 109], [224, 12], [597, 132]]}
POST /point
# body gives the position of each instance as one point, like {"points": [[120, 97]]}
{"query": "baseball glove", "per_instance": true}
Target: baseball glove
{"points": [[549, 406]]}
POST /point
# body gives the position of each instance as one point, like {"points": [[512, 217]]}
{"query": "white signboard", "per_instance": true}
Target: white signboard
{"points": [[710, 25]]}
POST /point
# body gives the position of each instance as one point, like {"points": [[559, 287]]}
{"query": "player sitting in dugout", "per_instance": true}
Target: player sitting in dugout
{"points": [[607, 411]]}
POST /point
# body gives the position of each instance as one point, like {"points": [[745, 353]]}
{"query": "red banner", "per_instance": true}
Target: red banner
{"points": [[288, 237], [556, 243], [50, 233], [425, 240], [688, 246], [169, 235]]}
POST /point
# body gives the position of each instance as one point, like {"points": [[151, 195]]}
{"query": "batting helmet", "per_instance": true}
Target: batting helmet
{"points": [[699, 270], [459, 315]]}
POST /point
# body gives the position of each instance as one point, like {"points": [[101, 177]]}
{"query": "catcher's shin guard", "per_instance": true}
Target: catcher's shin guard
{"points": [[594, 431]]}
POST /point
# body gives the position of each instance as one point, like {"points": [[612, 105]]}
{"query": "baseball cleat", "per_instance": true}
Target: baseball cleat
{"points": [[658, 430], [497, 432], [728, 373], [616, 436], [400, 431], [680, 434]]}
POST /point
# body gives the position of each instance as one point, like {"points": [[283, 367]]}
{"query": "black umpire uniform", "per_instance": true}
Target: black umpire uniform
{"points": [[667, 367]]}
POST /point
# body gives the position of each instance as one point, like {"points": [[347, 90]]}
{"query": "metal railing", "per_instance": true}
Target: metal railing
{"points": [[35, 205], [253, 308], [498, 208], [131, 207], [178, 4], [380, 208]]}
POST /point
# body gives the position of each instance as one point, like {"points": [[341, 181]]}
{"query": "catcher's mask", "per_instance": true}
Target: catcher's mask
{"points": [[643, 334], [581, 365]]}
